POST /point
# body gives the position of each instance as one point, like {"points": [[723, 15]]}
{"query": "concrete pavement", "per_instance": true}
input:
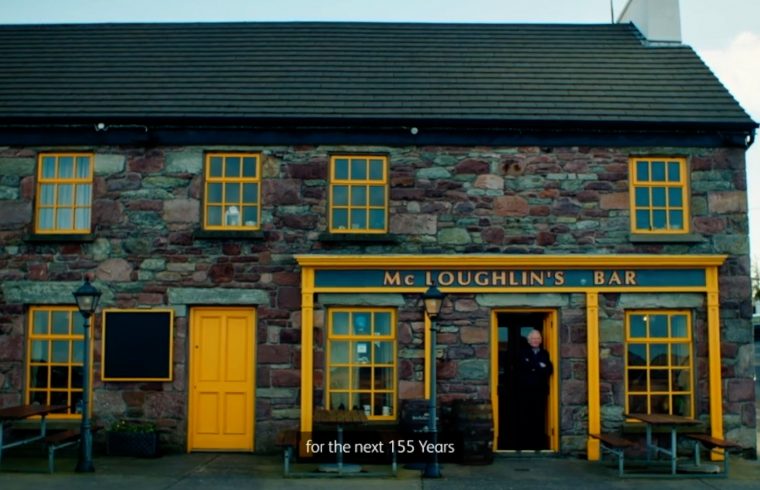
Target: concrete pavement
{"points": [[237, 471]]}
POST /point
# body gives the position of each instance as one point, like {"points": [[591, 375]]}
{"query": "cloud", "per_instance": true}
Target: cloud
{"points": [[738, 67]]}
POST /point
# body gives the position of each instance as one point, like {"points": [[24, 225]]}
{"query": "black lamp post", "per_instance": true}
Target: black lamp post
{"points": [[433, 299], [87, 298]]}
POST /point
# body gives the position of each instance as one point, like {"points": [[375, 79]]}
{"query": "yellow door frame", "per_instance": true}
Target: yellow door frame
{"points": [[551, 344], [192, 372]]}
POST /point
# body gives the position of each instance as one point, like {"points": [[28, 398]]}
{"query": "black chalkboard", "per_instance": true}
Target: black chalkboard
{"points": [[137, 345]]}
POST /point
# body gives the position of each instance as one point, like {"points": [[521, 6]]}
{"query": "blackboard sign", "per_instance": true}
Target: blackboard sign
{"points": [[137, 345]]}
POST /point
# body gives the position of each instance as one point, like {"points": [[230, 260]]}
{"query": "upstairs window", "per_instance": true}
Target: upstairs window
{"points": [[64, 193], [232, 192], [659, 363], [659, 196], [358, 194]]}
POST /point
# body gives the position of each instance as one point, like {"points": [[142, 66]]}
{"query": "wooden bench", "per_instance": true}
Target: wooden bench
{"points": [[615, 445], [61, 439], [710, 443], [287, 439]]}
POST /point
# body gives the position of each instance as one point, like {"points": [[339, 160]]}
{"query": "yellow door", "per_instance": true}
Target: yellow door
{"points": [[222, 379]]}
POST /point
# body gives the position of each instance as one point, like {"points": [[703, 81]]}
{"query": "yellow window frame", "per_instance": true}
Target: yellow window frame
{"points": [[369, 339], [53, 394], [354, 186], [666, 185], [648, 340], [57, 181], [229, 207]]}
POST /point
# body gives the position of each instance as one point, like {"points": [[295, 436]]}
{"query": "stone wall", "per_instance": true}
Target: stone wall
{"points": [[145, 252]]}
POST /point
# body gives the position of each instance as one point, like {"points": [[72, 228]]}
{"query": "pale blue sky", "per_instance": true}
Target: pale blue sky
{"points": [[725, 33]]}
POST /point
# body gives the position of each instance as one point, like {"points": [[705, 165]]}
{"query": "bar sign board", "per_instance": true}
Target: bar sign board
{"points": [[137, 345]]}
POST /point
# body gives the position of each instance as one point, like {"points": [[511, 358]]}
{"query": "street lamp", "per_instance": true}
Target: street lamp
{"points": [[87, 298], [433, 299]]}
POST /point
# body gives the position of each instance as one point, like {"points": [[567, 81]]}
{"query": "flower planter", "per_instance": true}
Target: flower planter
{"points": [[138, 444]]}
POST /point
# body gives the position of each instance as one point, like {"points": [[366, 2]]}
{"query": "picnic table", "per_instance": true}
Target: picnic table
{"points": [[9, 415], [670, 423]]}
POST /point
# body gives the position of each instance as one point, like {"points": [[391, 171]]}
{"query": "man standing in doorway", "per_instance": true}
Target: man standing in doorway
{"points": [[533, 371]]}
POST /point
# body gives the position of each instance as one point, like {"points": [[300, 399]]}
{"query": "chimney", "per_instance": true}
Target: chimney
{"points": [[658, 20]]}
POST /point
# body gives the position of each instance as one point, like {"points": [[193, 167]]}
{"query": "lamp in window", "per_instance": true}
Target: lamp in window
{"points": [[433, 300], [87, 298], [232, 216]]}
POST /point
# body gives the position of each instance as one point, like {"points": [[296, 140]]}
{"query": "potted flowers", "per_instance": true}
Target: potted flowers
{"points": [[132, 438]]}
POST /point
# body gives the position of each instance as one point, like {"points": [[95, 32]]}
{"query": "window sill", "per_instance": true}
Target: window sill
{"points": [[227, 235], [358, 237], [68, 238], [665, 238]]}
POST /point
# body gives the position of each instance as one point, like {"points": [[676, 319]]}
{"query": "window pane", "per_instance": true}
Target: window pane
{"points": [[82, 218], [377, 195], [83, 167], [637, 355], [637, 404], [361, 354], [60, 351], [358, 219], [64, 221], [66, 167], [660, 404], [341, 168], [65, 195], [642, 196], [675, 197], [682, 405], [76, 376], [232, 216], [249, 167], [340, 195], [232, 167], [84, 194], [339, 378], [76, 401], [383, 352], [60, 323], [59, 398], [339, 352], [678, 326], [658, 326], [361, 323], [46, 219], [340, 323], [250, 215], [658, 171], [676, 220], [358, 169], [232, 193], [48, 167], [47, 194], [642, 220], [674, 171], [38, 377], [216, 167], [78, 323], [383, 378], [642, 171], [377, 219], [339, 401], [39, 397], [658, 196], [638, 326], [382, 323], [40, 323], [214, 193], [340, 219], [679, 354], [359, 195], [59, 377], [658, 217], [376, 169], [251, 193], [658, 354], [77, 356], [681, 380], [637, 380], [215, 215]]}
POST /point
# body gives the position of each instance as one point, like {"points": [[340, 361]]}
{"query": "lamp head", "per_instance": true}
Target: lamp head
{"points": [[433, 299], [87, 298]]}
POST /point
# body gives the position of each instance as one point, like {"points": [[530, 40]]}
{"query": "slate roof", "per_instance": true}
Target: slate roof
{"points": [[462, 73]]}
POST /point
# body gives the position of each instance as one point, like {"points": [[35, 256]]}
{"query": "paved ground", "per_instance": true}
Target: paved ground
{"points": [[237, 471]]}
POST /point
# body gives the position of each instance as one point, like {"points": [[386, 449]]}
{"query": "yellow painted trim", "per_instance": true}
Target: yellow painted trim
{"points": [[503, 290], [714, 359], [592, 346], [464, 262], [683, 184], [351, 183], [427, 380], [223, 180], [307, 350], [56, 181], [494, 376]]}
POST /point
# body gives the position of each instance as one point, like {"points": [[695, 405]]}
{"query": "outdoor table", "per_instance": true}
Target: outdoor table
{"points": [[340, 418], [670, 422], [12, 414]]}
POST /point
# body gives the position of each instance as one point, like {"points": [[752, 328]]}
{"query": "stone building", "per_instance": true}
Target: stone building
{"points": [[287, 191]]}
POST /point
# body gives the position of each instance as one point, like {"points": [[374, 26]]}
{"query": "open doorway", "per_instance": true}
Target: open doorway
{"points": [[520, 426]]}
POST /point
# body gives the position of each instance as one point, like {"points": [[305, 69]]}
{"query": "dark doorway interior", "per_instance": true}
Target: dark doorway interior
{"points": [[513, 329]]}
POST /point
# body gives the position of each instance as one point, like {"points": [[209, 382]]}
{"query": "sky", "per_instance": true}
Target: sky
{"points": [[725, 33]]}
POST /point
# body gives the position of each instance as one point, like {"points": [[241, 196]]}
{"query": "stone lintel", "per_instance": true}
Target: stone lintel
{"points": [[217, 296], [361, 299]]}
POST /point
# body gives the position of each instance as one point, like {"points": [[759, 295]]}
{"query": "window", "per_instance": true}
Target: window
{"points": [[64, 193], [659, 197], [358, 194], [659, 372], [361, 353], [232, 193], [55, 357]]}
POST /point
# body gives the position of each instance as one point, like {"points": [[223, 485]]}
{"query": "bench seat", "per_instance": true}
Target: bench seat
{"points": [[615, 445], [709, 442]]}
